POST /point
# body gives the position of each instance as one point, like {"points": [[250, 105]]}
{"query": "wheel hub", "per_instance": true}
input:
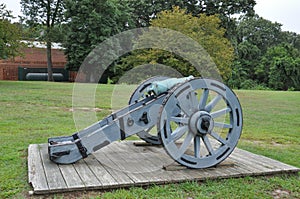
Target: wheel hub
{"points": [[201, 123]]}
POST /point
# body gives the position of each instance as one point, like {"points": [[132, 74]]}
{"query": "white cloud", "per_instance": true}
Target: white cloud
{"points": [[285, 12], [13, 5]]}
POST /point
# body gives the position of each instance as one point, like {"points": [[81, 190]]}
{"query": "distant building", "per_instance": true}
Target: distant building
{"points": [[34, 56]]}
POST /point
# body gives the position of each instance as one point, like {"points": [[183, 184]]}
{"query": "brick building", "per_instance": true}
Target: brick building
{"points": [[34, 56]]}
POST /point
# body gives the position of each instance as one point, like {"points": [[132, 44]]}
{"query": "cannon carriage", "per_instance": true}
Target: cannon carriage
{"points": [[198, 121]]}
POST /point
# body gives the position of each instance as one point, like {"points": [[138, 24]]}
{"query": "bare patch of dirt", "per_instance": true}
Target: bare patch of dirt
{"points": [[279, 193], [85, 109]]}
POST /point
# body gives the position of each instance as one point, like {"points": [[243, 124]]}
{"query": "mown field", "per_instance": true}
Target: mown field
{"points": [[30, 112]]}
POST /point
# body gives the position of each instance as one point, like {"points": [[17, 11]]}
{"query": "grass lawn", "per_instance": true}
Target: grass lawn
{"points": [[30, 112]]}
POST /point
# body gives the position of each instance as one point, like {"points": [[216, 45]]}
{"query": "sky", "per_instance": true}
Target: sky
{"points": [[285, 12]]}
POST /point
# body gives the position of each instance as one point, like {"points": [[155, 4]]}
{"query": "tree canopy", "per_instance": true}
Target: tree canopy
{"points": [[203, 29], [259, 43], [146, 10], [90, 23], [10, 35], [282, 63]]}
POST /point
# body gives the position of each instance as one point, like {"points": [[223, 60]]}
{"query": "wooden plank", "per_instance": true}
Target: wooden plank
{"points": [[71, 177], [245, 165], [213, 173], [259, 162], [268, 162], [193, 174], [147, 168], [121, 177], [222, 172], [237, 170], [101, 173], [36, 173], [248, 168], [87, 176], [136, 162], [125, 163], [183, 172], [158, 158], [154, 153], [250, 165], [56, 182]]}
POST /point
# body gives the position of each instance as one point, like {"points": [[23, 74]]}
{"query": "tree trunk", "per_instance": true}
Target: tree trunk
{"points": [[49, 62]]}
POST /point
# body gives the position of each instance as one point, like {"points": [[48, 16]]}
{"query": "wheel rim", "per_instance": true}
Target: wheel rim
{"points": [[208, 126], [148, 135]]}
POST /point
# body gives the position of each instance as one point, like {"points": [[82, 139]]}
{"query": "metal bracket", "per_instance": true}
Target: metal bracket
{"points": [[81, 148], [144, 118]]}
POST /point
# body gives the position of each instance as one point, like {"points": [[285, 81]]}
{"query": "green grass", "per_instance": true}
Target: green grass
{"points": [[30, 112], [272, 124]]}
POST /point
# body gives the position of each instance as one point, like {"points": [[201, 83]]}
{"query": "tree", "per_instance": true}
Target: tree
{"points": [[243, 67], [90, 22], [259, 32], [146, 10], [204, 29], [254, 37], [48, 13], [291, 38], [282, 64], [37, 32], [10, 35]]}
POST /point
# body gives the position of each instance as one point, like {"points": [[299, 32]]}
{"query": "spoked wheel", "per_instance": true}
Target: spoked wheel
{"points": [[208, 126], [148, 135]]}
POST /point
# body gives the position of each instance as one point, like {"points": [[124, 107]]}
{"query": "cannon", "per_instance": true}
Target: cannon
{"points": [[198, 121]]}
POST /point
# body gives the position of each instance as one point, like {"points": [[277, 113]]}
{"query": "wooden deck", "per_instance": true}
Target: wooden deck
{"points": [[126, 164]]}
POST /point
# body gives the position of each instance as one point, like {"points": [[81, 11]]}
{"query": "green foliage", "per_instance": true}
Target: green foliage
{"points": [[45, 17], [4, 13], [259, 32], [243, 68], [146, 10], [37, 32], [291, 38], [47, 13], [266, 56], [90, 23], [283, 64], [255, 35], [10, 35], [203, 29], [93, 21]]}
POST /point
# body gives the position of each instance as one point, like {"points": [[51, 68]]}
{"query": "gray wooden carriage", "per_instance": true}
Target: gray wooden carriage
{"points": [[198, 121]]}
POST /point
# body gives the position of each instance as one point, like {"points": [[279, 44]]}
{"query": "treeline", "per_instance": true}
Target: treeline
{"points": [[266, 56], [250, 52]]}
